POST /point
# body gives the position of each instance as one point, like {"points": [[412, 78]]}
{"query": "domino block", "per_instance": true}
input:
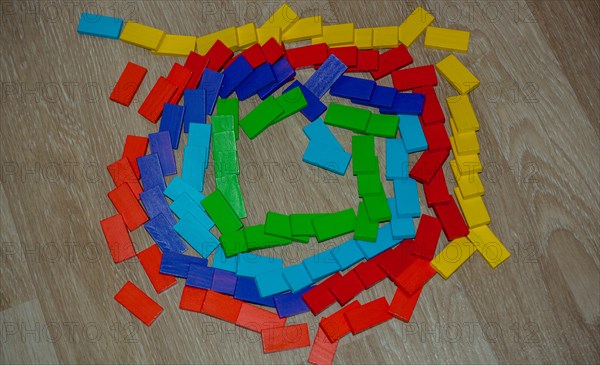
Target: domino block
{"points": [[436, 191], [470, 185], [195, 104], [229, 185], [283, 18], [221, 306], [307, 56], [467, 164], [160, 144], [337, 34], [246, 35], [260, 78], [412, 133], [352, 88], [365, 229], [197, 64], [99, 26], [290, 304], [363, 150], [261, 117], [382, 97], [271, 282], [348, 254], [407, 197], [402, 227], [233, 243], [278, 225], [334, 224], [348, 55], [314, 107], [128, 206], [322, 351], [335, 326], [474, 209], [138, 303], [151, 172], [192, 299], [121, 172], [427, 237], [199, 136], [201, 239], [392, 60], [230, 107], [414, 276], [176, 264], [118, 240], [256, 238], [172, 122], [161, 93], [234, 75], [257, 319], [322, 156], [164, 235], [190, 173], [150, 259], [251, 265], [453, 223], [177, 187], [427, 165], [180, 76], [366, 61], [184, 204], [368, 315], [254, 55], [291, 101], [384, 242], [405, 104], [369, 185], [415, 24], [272, 50], [447, 39], [227, 37], [463, 114], [457, 74], [319, 133], [403, 305], [415, 77], [325, 76], [141, 35], [346, 288], [377, 208], [246, 290], [283, 72], [383, 125], [466, 143], [453, 256], [128, 84], [285, 338], [369, 273], [303, 29], [432, 110], [199, 276], [490, 247], [437, 137], [155, 203], [211, 82], [363, 38], [267, 33], [396, 159], [297, 277], [221, 262], [348, 117], [319, 297], [176, 45], [385, 37]]}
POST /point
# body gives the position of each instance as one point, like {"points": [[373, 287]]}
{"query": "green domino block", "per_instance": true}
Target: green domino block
{"points": [[334, 224], [365, 230], [222, 123], [257, 239], [219, 210], [234, 242], [261, 117], [343, 116], [378, 208], [278, 225], [364, 160], [224, 141], [291, 102], [231, 107], [302, 224], [226, 163], [229, 186], [383, 125], [369, 185]]}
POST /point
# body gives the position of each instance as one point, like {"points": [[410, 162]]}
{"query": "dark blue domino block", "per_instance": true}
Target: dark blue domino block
{"points": [[315, 107], [176, 264], [246, 290], [406, 103], [195, 104], [224, 281], [155, 203], [163, 233], [211, 82], [260, 78], [325, 76], [200, 276], [151, 172], [172, 121], [289, 304], [383, 97], [284, 72], [160, 143], [353, 88], [100, 26], [234, 75]]}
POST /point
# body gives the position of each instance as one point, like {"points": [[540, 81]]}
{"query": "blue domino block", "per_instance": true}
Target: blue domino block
{"points": [[100, 26], [402, 227], [200, 136], [329, 159], [325, 76], [246, 290], [177, 187], [383, 97], [318, 132], [172, 121], [396, 159], [353, 88], [251, 265], [284, 72], [321, 265], [291, 304], [412, 133], [150, 172], [315, 106], [407, 197], [271, 283], [406, 103], [384, 241], [176, 264], [260, 78], [160, 143], [164, 235], [211, 82], [234, 75], [184, 204], [194, 101], [224, 281], [200, 276], [297, 277], [220, 261], [155, 203], [348, 254], [196, 235], [191, 173]]}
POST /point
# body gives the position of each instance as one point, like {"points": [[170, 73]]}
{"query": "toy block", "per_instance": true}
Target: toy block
{"points": [[278, 225], [272, 50], [488, 245], [200, 135], [452, 221], [335, 326], [384, 241], [283, 72], [283, 18], [150, 259], [314, 107], [463, 114], [319, 133], [385, 37], [218, 55], [172, 122], [402, 227], [155, 203], [256, 238], [260, 78], [322, 351], [348, 254], [456, 253], [396, 159], [447, 39], [383, 125], [128, 84], [382, 97], [138, 303], [325, 76], [303, 29], [160, 94], [99, 26], [321, 265], [407, 197], [184, 204], [348, 55], [176, 264], [265, 34], [319, 297], [254, 55], [199, 276], [234, 242], [366, 61], [234, 75], [291, 304], [197, 64], [226, 36], [338, 34], [141, 35], [257, 319], [246, 35], [436, 191], [343, 116], [118, 240], [432, 110], [364, 160], [230, 187], [363, 38], [325, 157], [436, 136], [302, 224], [403, 305], [285, 338], [412, 133], [414, 276], [196, 106], [164, 235], [307, 56], [160, 144], [221, 306], [190, 173], [369, 273], [405, 104], [415, 24], [369, 185], [192, 299], [196, 235], [466, 143], [297, 277], [468, 164], [251, 265], [271, 282], [246, 290], [230, 107], [291, 101], [352, 88], [151, 172], [426, 240], [368, 315], [377, 208], [220, 261], [470, 185], [427, 165], [128, 206], [223, 281], [392, 60], [457, 74], [261, 117], [176, 45], [121, 172], [346, 288], [415, 77], [365, 230], [179, 76], [335, 224]]}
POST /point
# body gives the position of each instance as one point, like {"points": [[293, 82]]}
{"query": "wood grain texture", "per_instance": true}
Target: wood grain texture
{"points": [[538, 66]]}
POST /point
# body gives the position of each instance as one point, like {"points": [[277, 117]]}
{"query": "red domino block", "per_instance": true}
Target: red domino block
{"points": [[451, 219], [348, 55], [368, 315], [150, 259], [128, 206], [221, 306], [138, 303], [415, 276], [122, 172], [366, 61], [436, 191], [254, 55], [257, 319], [411, 78], [335, 326], [192, 299], [128, 84], [118, 240], [320, 297], [347, 288], [195, 63], [369, 273], [135, 146], [436, 136], [323, 350], [179, 76], [393, 262], [392, 60], [218, 55], [307, 56], [403, 305], [272, 51], [426, 239], [161, 93], [285, 338], [432, 110], [427, 165]]}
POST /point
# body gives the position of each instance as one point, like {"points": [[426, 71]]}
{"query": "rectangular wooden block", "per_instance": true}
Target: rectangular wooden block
{"points": [[368, 315], [221, 306], [150, 259], [161, 93], [258, 319], [447, 39], [285, 338], [118, 240], [142, 35], [128, 206], [128, 84], [453, 256], [176, 45], [415, 24], [138, 303], [457, 74]]}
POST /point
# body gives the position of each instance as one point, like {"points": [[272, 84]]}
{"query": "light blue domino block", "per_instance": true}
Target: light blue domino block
{"points": [[384, 241], [331, 160], [396, 159], [199, 136], [177, 187], [193, 157], [321, 265], [184, 204], [251, 265], [407, 198], [196, 235], [220, 261], [402, 227], [297, 277], [318, 132], [100, 26], [325, 76], [348, 254], [412, 133], [271, 283]]}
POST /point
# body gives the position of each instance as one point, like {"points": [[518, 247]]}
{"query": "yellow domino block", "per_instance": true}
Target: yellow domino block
{"points": [[473, 209], [363, 38], [466, 143], [488, 245], [470, 185], [385, 37], [304, 29], [412, 27], [176, 45], [228, 36], [447, 39], [142, 35], [457, 74], [282, 18], [462, 111], [468, 164], [453, 256], [246, 35], [337, 35], [266, 33]]}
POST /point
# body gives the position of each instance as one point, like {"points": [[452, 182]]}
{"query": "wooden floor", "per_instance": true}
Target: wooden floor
{"points": [[538, 66]]}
